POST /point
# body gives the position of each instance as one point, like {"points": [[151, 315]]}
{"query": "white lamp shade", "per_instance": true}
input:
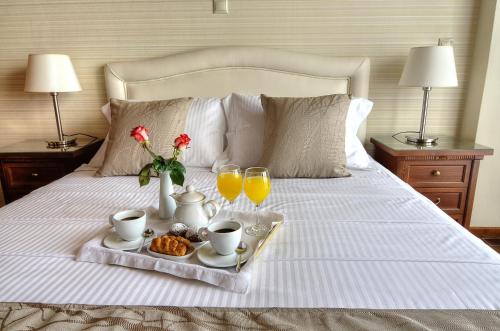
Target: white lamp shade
{"points": [[51, 73], [431, 66]]}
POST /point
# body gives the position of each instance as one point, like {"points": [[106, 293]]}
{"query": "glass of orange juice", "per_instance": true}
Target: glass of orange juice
{"points": [[229, 184], [257, 186]]}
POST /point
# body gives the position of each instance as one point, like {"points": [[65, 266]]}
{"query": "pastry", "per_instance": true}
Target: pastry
{"points": [[171, 245], [192, 235], [178, 229]]}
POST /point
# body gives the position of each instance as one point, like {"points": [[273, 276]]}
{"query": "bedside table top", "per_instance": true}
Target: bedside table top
{"points": [[443, 146], [35, 146]]}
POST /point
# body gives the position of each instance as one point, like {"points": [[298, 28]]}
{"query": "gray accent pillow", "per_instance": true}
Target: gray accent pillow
{"points": [[164, 119], [305, 137]]}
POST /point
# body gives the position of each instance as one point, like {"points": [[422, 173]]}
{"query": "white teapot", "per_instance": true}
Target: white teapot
{"points": [[192, 209]]}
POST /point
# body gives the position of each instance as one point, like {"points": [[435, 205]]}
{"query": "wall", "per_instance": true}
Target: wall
{"points": [[483, 115], [479, 67], [94, 32]]}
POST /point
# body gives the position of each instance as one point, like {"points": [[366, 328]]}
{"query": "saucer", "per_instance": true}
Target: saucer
{"points": [[114, 241], [208, 256]]}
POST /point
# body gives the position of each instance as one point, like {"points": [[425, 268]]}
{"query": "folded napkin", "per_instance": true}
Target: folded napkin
{"points": [[228, 278]]}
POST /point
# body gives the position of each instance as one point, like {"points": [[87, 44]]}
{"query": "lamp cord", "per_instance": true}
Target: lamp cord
{"points": [[401, 132], [94, 138]]}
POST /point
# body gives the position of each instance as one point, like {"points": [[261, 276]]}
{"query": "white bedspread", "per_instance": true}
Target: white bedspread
{"points": [[368, 241]]}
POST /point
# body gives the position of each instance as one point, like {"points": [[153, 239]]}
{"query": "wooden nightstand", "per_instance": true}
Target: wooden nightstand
{"points": [[445, 173], [28, 165]]}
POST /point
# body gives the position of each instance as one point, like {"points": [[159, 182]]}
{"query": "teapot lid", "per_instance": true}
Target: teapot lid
{"points": [[190, 196]]}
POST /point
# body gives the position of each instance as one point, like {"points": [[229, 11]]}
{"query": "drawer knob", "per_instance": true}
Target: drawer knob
{"points": [[436, 173], [438, 201], [34, 174]]}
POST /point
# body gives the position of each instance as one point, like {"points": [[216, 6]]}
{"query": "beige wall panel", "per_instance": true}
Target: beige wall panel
{"points": [[94, 32], [483, 115]]}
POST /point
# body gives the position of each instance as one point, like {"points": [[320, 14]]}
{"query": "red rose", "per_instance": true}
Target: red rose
{"points": [[140, 134], [182, 142]]}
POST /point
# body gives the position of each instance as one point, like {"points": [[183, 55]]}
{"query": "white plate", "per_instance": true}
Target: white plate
{"points": [[172, 257], [198, 244], [114, 241], [208, 256], [195, 244]]}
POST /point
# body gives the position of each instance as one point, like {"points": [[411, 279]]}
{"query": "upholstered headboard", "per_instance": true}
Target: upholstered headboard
{"points": [[246, 70]]}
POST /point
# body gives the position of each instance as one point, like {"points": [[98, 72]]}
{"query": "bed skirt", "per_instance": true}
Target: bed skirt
{"points": [[27, 316]]}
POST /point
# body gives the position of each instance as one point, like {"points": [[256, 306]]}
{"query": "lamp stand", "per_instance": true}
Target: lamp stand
{"points": [[61, 143], [422, 139]]}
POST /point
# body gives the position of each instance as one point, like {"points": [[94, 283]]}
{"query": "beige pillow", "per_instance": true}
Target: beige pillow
{"points": [[164, 119], [304, 137]]}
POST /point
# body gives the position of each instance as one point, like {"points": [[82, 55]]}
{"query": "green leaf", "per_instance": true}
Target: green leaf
{"points": [[159, 164], [168, 163], [178, 166], [177, 176], [144, 174]]}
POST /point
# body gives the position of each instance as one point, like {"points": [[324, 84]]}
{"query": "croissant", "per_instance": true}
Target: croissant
{"points": [[170, 245]]}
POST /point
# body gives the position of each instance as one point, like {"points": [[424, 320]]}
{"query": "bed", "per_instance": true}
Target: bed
{"points": [[361, 252]]}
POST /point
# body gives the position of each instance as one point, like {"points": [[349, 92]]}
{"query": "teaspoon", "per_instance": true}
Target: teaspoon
{"points": [[148, 233], [240, 250]]}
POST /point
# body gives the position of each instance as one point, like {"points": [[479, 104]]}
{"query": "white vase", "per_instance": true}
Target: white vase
{"points": [[167, 203]]}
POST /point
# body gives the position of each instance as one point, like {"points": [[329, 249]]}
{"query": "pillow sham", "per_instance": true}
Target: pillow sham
{"points": [[245, 122], [245, 135], [205, 124], [305, 137], [166, 118]]}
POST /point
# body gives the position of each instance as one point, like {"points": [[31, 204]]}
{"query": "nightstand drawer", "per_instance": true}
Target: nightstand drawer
{"points": [[31, 175], [438, 173], [451, 201], [11, 195], [459, 218]]}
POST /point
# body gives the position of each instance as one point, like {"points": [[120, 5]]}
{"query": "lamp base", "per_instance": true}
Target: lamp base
{"points": [[426, 140], [61, 143]]}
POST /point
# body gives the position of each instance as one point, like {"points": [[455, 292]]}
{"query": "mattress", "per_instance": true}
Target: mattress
{"points": [[368, 241]]}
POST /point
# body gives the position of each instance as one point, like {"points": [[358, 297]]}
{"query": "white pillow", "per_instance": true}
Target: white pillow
{"points": [[246, 120], [98, 158], [205, 124], [356, 155]]}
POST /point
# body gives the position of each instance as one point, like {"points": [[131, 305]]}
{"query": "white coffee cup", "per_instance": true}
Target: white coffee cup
{"points": [[225, 242], [129, 224]]}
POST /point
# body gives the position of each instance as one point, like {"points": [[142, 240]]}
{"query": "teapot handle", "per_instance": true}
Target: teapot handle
{"points": [[111, 217], [212, 208]]}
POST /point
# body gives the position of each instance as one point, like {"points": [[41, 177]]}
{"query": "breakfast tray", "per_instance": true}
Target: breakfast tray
{"points": [[228, 278]]}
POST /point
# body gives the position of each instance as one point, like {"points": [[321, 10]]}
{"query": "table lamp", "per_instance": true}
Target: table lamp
{"points": [[428, 67], [52, 73]]}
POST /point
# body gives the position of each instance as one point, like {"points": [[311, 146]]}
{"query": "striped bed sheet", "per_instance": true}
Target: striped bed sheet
{"points": [[366, 242]]}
